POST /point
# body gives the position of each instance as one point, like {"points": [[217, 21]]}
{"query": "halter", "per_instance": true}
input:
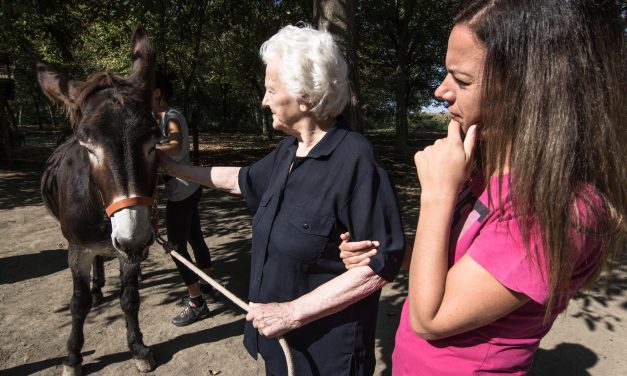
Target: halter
{"points": [[132, 201], [145, 201], [127, 202]]}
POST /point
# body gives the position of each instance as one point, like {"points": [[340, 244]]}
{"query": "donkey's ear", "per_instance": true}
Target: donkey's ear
{"points": [[57, 87], [143, 67]]}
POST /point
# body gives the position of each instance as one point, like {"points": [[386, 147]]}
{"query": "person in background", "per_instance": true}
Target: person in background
{"points": [[524, 201], [322, 180], [182, 219]]}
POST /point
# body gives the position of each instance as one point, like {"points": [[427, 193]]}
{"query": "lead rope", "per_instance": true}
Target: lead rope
{"points": [[170, 249]]}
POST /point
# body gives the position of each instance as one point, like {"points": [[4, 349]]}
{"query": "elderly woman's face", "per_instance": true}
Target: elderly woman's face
{"points": [[286, 110], [461, 87]]}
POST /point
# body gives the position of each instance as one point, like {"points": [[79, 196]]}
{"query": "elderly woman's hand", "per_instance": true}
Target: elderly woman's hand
{"points": [[272, 319], [355, 254], [166, 163]]}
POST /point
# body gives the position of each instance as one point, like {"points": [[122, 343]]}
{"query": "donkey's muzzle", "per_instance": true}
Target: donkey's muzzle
{"points": [[132, 232], [134, 252]]}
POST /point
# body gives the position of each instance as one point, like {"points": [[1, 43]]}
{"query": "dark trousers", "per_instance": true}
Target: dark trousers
{"points": [[183, 225]]}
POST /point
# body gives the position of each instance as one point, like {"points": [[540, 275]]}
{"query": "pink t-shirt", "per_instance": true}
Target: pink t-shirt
{"points": [[493, 240]]}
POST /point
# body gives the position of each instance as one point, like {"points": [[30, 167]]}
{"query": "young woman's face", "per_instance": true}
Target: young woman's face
{"points": [[158, 104], [286, 110], [461, 87]]}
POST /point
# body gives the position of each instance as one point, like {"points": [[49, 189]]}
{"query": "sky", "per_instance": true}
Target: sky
{"points": [[435, 107]]}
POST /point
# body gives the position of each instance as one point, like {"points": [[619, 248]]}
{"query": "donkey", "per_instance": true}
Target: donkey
{"points": [[99, 183]]}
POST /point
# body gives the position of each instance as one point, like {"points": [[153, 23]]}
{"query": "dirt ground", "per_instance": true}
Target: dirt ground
{"points": [[35, 287]]}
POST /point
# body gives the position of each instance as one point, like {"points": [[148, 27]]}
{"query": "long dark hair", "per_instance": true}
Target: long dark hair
{"points": [[164, 83], [553, 97]]}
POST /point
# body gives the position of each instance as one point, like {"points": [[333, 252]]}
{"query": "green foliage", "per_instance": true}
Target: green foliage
{"points": [[421, 122], [212, 47], [405, 35]]}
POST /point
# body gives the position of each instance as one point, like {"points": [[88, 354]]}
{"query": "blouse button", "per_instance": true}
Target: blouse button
{"points": [[306, 226]]}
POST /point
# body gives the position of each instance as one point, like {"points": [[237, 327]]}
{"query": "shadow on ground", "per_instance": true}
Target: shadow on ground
{"points": [[225, 215], [33, 265], [19, 188], [567, 359]]}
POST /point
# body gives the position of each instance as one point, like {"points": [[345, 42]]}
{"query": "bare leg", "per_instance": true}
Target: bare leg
{"points": [[194, 289]]}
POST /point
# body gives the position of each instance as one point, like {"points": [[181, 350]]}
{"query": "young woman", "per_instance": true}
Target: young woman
{"points": [[182, 219], [524, 200]]}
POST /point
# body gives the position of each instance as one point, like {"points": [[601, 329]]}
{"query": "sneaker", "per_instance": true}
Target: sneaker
{"points": [[208, 297], [191, 314]]}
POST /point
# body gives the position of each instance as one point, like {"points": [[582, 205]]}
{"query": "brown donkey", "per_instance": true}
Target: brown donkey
{"points": [[99, 183]]}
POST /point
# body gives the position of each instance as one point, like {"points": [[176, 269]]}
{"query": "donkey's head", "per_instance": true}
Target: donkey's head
{"points": [[112, 119]]}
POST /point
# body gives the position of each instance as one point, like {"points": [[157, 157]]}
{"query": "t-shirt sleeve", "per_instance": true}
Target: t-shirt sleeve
{"points": [[500, 251], [169, 115], [254, 179], [372, 213]]}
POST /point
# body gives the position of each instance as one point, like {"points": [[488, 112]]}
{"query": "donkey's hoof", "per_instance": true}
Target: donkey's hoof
{"points": [[69, 370], [146, 364]]}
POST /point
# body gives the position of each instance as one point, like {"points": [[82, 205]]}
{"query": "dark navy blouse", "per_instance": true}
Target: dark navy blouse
{"points": [[341, 185]]}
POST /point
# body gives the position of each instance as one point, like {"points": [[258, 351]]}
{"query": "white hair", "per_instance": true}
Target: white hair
{"points": [[312, 69]]}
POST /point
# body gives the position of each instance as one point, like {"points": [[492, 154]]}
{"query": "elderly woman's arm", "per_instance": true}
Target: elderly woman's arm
{"points": [[275, 319], [224, 178]]}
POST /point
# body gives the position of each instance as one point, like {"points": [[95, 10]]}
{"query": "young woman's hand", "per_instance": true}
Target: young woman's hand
{"points": [[444, 166], [355, 254]]}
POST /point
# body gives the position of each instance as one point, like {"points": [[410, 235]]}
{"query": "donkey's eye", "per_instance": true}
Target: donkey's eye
{"points": [[89, 150], [86, 146], [93, 155]]}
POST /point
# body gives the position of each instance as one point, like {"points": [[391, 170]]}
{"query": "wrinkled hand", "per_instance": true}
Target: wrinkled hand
{"points": [[355, 254], [272, 319], [444, 166], [165, 162]]}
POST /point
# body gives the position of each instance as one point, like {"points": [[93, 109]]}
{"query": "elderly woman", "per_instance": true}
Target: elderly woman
{"points": [[318, 183]]}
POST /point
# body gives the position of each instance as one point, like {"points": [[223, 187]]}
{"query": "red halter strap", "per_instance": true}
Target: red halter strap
{"points": [[127, 202]]}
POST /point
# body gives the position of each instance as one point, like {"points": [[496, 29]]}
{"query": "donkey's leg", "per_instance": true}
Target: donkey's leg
{"points": [[129, 300], [80, 304], [97, 280]]}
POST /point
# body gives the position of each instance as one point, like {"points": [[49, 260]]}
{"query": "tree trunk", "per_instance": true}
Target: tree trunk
{"points": [[11, 115], [224, 89], [400, 113], [401, 74], [196, 151], [6, 136], [192, 71], [37, 110], [260, 113], [266, 126], [53, 120], [338, 18], [162, 45]]}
